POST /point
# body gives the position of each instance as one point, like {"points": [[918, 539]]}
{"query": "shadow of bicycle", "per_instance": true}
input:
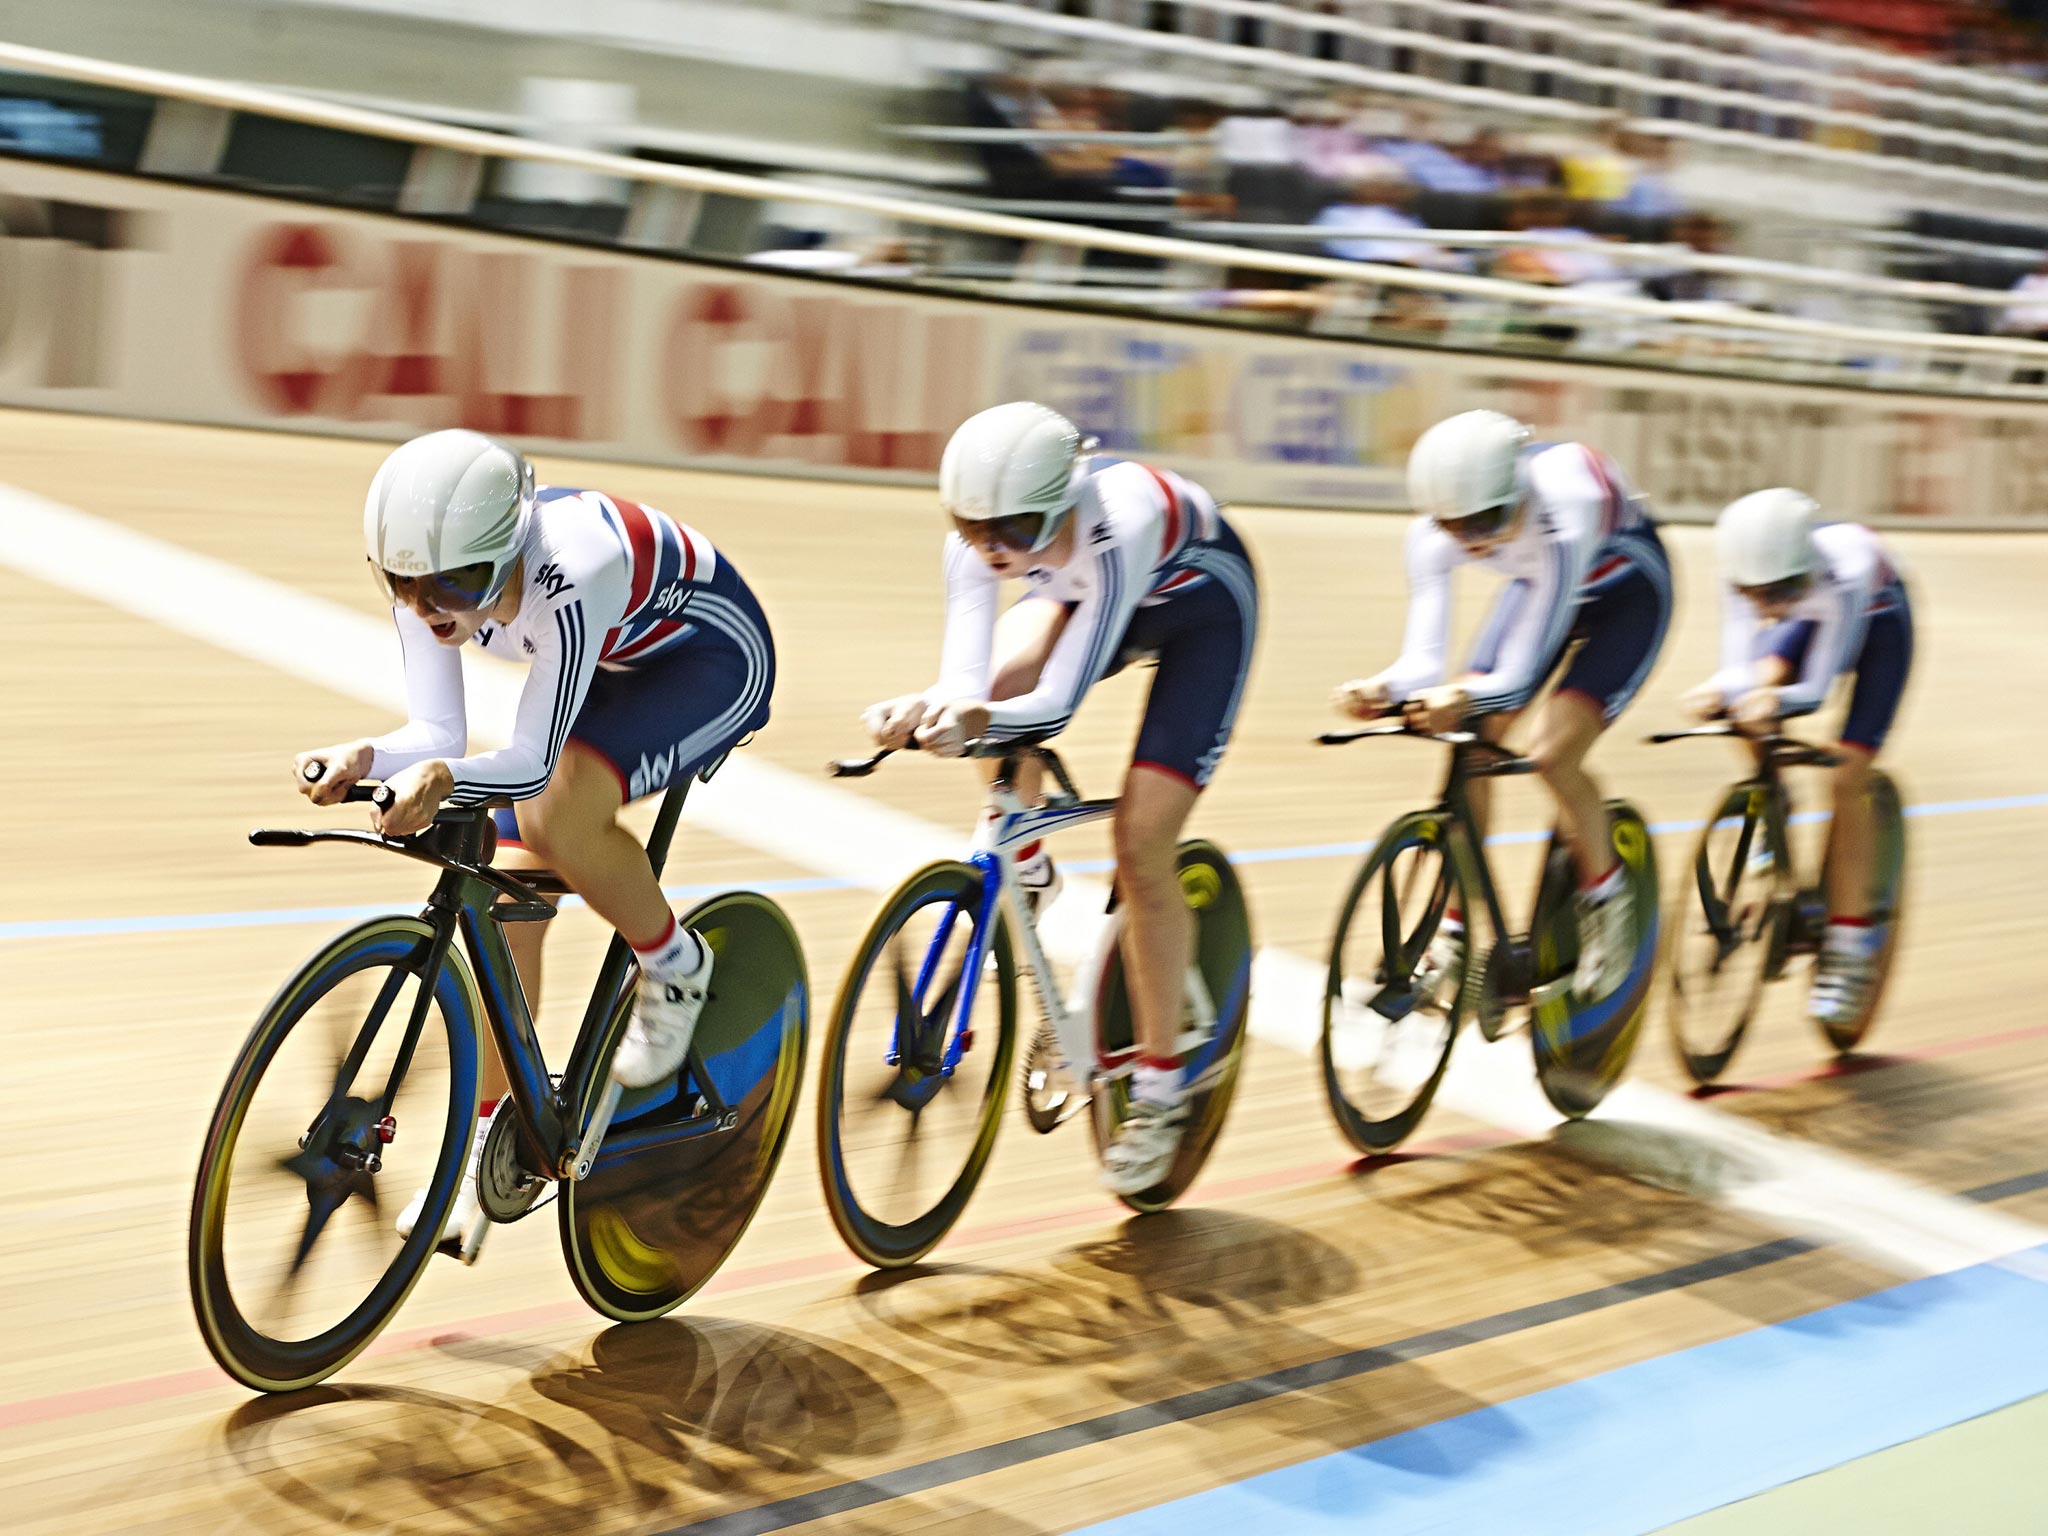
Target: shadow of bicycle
{"points": [[1555, 1198], [676, 1416], [1174, 1276], [1873, 1106]]}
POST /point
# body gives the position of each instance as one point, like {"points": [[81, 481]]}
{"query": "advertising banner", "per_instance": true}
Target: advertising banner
{"points": [[137, 298]]}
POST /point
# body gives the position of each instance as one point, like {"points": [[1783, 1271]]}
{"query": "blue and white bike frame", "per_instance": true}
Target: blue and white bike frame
{"points": [[1013, 826]]}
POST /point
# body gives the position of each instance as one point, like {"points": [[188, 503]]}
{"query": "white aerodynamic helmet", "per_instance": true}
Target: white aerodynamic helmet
{"points": [[1015, 467], [1767, 537], [446, 518], [1468, 466]]}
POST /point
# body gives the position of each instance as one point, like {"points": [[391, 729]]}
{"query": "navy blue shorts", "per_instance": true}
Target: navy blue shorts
{"points": [[1619, 628], [658, 721], [1201, 635], [1880, 666]]}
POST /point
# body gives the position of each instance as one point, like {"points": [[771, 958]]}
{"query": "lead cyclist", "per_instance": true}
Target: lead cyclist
{"points": [[648, 658]]}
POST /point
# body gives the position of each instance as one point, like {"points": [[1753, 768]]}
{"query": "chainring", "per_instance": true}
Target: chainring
{"points": [[505, 1188]]}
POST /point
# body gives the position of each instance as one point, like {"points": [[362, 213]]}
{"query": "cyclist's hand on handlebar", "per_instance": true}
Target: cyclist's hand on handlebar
{"points": [[949, 727], [416, 793], [1757, 712], [325, 774], [893, 721], [1363, 698], [1438, 709], [1702, 702]]}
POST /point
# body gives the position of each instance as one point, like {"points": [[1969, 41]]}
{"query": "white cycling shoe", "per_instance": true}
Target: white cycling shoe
{"points": [[664, 1020], [1041, 881], [1841, 985], [463, 1233], [1606, 943], [1142, 1153]]}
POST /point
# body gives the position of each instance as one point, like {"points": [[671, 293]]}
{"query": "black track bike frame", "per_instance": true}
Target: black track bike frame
{"points": [[474, 899]]}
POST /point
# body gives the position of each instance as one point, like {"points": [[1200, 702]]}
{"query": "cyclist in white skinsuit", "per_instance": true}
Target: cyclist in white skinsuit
{"points": [[1583, 565], [1123, 561], [648, 657], [1803, 603]]}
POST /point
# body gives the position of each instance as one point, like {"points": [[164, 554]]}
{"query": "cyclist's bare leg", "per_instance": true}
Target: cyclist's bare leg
{"points": [[1479, 792], [572, 828], [1851, 836], [1158, 930], [1566, 729]]}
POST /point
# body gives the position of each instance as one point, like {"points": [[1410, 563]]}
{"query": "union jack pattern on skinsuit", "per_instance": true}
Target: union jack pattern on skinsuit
{"points": [[668, 560]]}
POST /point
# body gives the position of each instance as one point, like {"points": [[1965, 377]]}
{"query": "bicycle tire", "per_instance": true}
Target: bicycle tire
{"points": [[643, 1232], [1373, 1133], [1888, 904], [242, 1349], [1223, 952], [1583, 1047], [893, 1244], [1759, 848]]}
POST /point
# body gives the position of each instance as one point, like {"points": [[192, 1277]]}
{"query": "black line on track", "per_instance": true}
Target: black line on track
{"points": [[923, 1476]]}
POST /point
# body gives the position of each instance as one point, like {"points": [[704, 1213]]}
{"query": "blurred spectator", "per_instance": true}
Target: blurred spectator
{"points": [[1625, 172], [1429, 165], [2030, 319], [1378, 207], [1701, 232], [1600, 171], [1650, 194], [1546, 213]]}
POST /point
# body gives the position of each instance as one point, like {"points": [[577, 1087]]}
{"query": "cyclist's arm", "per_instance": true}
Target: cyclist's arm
{"points": [[1538, 628], [1430, 554], [972, 592], [1738, 645], [437, 723], [568, 636], [1837, 637], [1086, 646]]}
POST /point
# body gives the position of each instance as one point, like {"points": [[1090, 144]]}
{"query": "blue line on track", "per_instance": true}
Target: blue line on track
{"points": [[1641, 1447], [271, 917]]}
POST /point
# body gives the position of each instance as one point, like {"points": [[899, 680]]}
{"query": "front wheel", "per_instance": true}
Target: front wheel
{"points": [[1887, 907], [916, 1063], [1731, 900], [1213, 1053], [686, 1162], [1395, 991], [347, 1095]]}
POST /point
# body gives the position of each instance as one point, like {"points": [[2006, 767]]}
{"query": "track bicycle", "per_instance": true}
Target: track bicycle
{"points": [[1743, 912], [361, 1076], [1391, 1007], [917, 1059]]}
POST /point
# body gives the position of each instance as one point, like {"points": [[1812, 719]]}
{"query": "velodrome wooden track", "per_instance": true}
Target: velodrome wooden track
{"points": [[136, 758]]}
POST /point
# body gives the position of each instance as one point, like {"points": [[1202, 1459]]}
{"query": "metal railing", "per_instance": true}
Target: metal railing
{"points": [[1477, 312], [1944, 157]]}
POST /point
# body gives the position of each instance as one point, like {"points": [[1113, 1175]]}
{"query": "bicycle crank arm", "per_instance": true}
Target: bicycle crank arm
{"points": [[593, 1135]]}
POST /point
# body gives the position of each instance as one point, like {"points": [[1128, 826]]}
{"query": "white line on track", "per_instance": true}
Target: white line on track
{"points": [[1652, 1134]]}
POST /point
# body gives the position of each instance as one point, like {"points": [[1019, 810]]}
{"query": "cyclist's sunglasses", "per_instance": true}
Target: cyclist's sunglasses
{"points": [[1785, 590], [1019, 532], [462, 590], [1483, 524]]}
